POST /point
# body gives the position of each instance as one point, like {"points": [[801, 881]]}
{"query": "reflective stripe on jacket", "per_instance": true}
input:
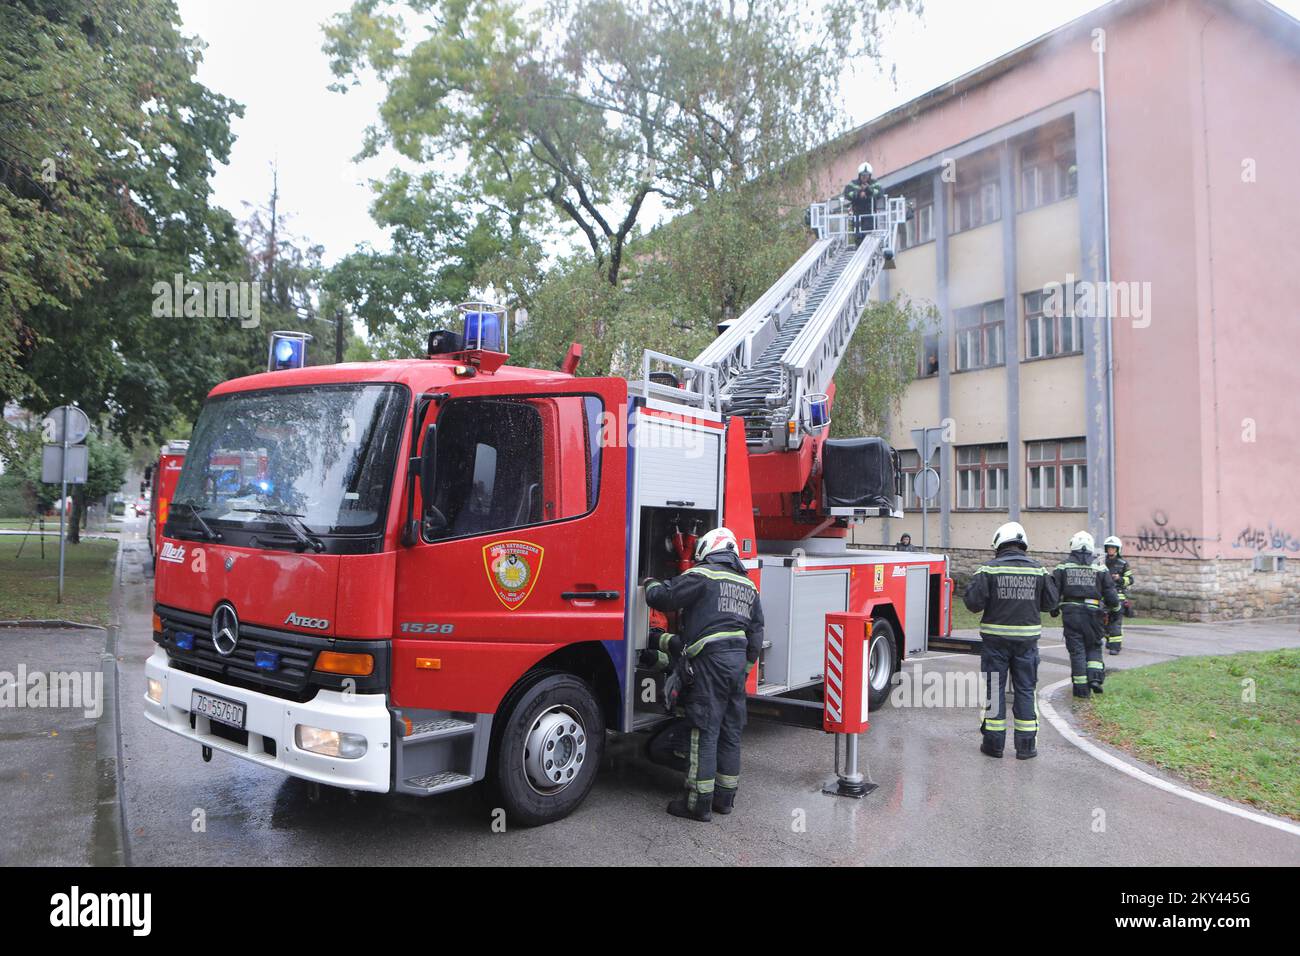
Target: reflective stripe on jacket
{"points": [[1012, 590], [718, 602]]}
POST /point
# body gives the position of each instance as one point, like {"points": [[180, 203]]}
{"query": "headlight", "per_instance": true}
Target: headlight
{"points": [[155, 690], [330, 743]]}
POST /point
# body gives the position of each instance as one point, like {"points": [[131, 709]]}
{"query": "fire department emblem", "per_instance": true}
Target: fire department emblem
{"points": [[512, 569]]}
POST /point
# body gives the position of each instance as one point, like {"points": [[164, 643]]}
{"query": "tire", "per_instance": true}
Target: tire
{"points": [[551, 713], [882, 662]]}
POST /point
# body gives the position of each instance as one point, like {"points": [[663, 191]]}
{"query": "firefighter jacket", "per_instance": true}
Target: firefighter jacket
{"points": [[862, 196], [1121, 574], [1084, 580], [1012, 590], [718, 602]]}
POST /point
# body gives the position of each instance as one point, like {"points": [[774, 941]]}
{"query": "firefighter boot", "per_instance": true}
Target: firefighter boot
{"points": [[700, 810], [1025, 749], [989, 750], [724, 800]]}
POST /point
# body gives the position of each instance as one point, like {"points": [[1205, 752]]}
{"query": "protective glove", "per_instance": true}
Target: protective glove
{"points": [[1055, 612], [647, 581], [749, 668]]}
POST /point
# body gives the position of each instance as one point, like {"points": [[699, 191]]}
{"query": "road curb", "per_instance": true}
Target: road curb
{"points": [[1144, 773], [109, 836], [50, 623]]}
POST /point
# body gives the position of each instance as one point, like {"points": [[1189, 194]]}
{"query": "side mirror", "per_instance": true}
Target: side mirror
{"points": [[429, 464]]}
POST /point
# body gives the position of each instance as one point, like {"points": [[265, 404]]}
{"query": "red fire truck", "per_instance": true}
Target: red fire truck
{"points": [[166, 472], [432, 579]]}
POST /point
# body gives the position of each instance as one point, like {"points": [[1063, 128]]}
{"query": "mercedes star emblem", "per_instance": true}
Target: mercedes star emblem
{"points": [[230, 562], [225, 629]]}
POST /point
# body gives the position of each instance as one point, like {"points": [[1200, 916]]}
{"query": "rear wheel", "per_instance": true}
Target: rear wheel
{"points": [[546, 749], [882, 660]]}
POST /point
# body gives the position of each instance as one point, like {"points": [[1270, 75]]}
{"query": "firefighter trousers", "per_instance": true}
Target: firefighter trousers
{"points": [[1115, 629], [714, 702], [1000, 657], [1084, 638]]}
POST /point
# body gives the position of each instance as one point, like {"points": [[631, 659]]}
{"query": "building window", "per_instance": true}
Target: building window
{"points": [[982, 477], [1052, 325], [1058, 474], [980, 336], [919, 227], [910, 464], [927, 362], [977, 194], [1048, 171]]}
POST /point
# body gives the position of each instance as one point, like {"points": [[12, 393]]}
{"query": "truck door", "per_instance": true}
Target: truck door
{"points": [[524, 542]]}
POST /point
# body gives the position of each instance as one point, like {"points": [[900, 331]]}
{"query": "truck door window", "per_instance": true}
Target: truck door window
{"points": [[508, 463]]}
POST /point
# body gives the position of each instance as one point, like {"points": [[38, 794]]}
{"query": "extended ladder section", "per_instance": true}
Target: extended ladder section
{"points": [[776, 360]]}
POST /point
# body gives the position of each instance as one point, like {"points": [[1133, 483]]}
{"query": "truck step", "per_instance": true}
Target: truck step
{"points": [[435, 728], [431, 783]]}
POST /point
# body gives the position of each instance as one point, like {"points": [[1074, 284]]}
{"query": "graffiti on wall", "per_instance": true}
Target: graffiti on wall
{"points": [[1269, 538], [1160, 537]]}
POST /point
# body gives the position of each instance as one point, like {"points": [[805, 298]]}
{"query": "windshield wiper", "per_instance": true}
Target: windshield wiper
{"points": [[205, 528], [292, 522]]}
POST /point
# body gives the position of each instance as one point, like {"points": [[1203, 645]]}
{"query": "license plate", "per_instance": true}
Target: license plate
{"points": [[215, 708]]}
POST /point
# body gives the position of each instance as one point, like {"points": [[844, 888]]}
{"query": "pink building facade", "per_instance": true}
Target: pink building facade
{"points": [[1161, 403]]}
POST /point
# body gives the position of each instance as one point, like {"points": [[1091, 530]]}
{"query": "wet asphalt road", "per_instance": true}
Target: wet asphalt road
{"points": [[939, 801]]}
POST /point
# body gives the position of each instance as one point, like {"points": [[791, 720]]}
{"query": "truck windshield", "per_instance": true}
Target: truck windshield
{"points": [[321, 456]]}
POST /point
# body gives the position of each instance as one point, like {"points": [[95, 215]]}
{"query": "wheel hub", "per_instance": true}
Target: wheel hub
{"points": [[554, 750], [880, 663]]}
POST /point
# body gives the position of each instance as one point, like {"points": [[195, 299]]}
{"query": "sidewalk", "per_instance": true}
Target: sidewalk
{"points": [[48, 767]]}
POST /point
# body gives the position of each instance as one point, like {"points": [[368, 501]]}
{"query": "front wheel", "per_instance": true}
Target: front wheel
{"points": [[882, 657], [547, 749]]}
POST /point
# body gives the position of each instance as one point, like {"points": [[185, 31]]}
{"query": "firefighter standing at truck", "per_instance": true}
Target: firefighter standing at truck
{"points": [[1122, 574], [1012, 591], [720, 633], [1087, 592], [861, 193]]}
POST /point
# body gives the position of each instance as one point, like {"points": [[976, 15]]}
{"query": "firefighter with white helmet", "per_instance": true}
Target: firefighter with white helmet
{"points": [[1012, 591], [720, 625], [1122, 574], [1087, 592], [861, 194]]}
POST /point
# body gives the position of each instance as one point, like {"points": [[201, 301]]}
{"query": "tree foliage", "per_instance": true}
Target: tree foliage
{"points": [[107, 144], [581, 110]]}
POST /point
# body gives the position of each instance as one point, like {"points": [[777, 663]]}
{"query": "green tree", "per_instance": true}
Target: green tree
{"points": [[107, 94], [589, 107]]}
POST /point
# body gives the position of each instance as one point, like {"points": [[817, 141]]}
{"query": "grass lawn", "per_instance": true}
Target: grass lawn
{"points": [[29, 587], [52, 524], [1189, 717]]}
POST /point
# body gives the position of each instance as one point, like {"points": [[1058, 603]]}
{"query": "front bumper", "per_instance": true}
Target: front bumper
{"points": [[270, 723]]}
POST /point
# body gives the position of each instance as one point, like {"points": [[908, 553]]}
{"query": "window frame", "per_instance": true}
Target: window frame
{"points": [[594, 474], [982, 331], [1057, 323], [909, 473], [1056, 466], [983, 189], [983, 469], [1054, 154]]}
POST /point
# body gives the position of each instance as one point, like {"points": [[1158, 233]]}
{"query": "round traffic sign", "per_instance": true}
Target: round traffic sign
{"points": [[78, 425]]}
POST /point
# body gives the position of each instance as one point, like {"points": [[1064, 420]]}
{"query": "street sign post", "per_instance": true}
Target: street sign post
{"points": [[927, 442], [64, 460]]}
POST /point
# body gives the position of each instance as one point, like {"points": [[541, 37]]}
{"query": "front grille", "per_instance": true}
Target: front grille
{"points": [[293, 678]]}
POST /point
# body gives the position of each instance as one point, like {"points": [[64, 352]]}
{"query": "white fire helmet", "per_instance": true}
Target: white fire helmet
{"points": [[1082, 541], [719, 539], [1011, 531], [866, 168], [1113, 542]]}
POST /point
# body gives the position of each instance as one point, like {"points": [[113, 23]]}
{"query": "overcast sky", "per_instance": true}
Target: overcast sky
{"points": [[278, 71]]}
